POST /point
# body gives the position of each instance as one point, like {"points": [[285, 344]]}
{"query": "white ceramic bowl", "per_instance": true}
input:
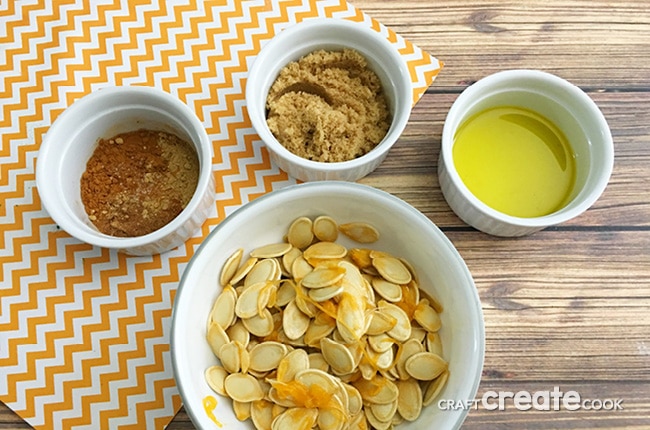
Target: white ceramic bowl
{"points": [[330, 34], [566, 106], [73, 137], [404, 231]]}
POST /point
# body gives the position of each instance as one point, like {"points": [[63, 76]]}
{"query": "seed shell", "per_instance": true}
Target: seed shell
{"points": [[325, 229], [230, 267], [243, 387], [300, 233], [360, 232]]}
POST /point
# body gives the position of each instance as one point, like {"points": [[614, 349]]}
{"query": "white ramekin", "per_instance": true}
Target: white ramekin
{"points": [[330, 34], [561, 102], [73, 137]]}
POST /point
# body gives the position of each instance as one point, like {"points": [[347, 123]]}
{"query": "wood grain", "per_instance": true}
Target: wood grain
{"points": [[568, 306]]}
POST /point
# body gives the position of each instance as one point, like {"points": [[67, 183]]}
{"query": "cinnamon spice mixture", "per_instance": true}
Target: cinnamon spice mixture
{"points": [[139, 181]]}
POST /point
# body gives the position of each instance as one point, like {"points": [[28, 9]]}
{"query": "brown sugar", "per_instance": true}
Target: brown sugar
{"points": [[139, 181], [328, 106]]}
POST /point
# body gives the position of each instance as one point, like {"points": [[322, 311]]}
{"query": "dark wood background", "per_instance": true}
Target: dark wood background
{"points": [[568, 306]]}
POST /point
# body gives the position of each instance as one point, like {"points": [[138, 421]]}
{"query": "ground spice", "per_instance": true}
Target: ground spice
{"points": [[139, 181], [329, 106]]}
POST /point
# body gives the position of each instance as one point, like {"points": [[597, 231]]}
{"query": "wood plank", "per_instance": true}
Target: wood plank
{"points": [[571, 39], [10, 420]]}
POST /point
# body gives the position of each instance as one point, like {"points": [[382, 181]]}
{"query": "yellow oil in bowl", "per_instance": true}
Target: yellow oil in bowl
{"points": [[515, 161]]}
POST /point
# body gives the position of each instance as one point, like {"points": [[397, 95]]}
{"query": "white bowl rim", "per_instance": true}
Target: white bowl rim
{"points": [[561, 215], [100, 239], [479, 342], [396, 127]]}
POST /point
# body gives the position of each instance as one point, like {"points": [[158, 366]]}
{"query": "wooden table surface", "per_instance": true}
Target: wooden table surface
{"points": [[568, 306]]}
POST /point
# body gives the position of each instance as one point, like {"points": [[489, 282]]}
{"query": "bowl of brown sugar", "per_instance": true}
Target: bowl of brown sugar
{"points": [[127, 168], [329, 98]]}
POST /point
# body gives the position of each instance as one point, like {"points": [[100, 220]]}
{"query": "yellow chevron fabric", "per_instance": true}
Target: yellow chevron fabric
{"points": [[84, 331]]}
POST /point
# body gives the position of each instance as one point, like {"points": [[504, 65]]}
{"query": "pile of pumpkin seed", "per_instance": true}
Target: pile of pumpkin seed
{"points": [[311, 334]]}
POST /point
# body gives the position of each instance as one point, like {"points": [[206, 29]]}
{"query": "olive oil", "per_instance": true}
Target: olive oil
{"points": [[515, 161]]}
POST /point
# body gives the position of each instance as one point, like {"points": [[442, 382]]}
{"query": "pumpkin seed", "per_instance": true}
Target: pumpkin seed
{"points": [[307, 306], [380, 360], [315, 377], [266, 356], [247, 305], [242, 410], [288, 259], [292, 363], [262, 414], [263, 271], [331, 419], [243, 270], [418, 333], [361, 257], [322, 326], [388, 290], [380, 322], [355, 402], [402, 330], [425, 366], [377, 390], [296, 418], [404, 352], [215, 376], [300, 268], [410, 268], [350, 319], [426, 316], [325, 229], [359, 422], [300, 233], [384, 412], [230, 267], [223, 310], [230, 357], [294, 322], [216, 337], [374, 421], [239, 333], [381, 342], [409, 399], [324, 250], [322, 294], [434, 344], [286, 293], [323, 277], [434, 388], [392, 270], [317, 361], [243, 387], [360, 232], [272, 250], [337, 356], [260, 325]]}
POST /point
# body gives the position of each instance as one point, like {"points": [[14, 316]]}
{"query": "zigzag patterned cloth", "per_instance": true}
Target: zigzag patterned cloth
{"points": [[84, 331]]}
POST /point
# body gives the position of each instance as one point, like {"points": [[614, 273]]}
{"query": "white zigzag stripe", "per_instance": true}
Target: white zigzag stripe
{"points": [[12, 182], [95, 42], [322, 7], [114, 350], [40, 344]]}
